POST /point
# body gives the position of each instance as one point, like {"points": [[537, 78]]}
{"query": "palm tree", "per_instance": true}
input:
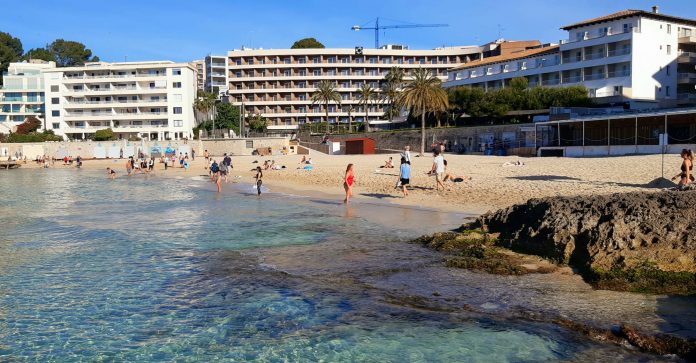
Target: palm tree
{"points": [[205, 104], [391, 87], [366, 94], [325, 93], [423, 95]]}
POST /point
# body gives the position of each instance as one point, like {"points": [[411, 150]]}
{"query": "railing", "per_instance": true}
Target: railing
{"points": [[687, 54], [601, 35], [572, 59], [115, 76], [594, 76], [223, 64], [618, 52], [686, 75], [618, 74], [596, 55], [550, 82], [686, 96], [574, 79]]}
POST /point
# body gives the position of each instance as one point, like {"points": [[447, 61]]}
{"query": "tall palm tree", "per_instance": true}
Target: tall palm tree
{"points": [[423, 95], [325, 93], [205, 103], [391, 87], [366, 94]]}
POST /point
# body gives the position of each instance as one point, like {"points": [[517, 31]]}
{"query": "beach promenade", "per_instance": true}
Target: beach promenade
{"points": [[495, 182]]}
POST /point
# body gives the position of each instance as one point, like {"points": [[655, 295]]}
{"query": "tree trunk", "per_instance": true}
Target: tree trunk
{"points": [[327, 117], [422, 150]]}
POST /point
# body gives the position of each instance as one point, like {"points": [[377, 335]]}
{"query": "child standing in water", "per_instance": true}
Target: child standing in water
{"points": [[348, 183], [259, 182]]}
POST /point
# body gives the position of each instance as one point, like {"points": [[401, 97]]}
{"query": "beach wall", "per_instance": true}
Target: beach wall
{"points": [[520, 137], [116, 149]]}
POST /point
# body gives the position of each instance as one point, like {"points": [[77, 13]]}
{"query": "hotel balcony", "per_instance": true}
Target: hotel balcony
{"points": [[611, 36], [687, 38], [686, 78], [686, 57], [108, 77], [686, 98]]}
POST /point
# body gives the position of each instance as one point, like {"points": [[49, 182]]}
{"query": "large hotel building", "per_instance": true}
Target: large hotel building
{"points": [[149, 100], [643, 59], [278, 83], [22, 93]]}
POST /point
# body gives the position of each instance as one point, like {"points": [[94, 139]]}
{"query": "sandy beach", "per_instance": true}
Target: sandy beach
{"points": [[494, 184]]}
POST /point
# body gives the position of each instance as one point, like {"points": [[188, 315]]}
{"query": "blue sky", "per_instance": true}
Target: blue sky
{"points": [[186, 30]]}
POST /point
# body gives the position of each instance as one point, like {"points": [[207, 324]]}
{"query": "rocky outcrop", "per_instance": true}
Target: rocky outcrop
{"points": [[631, 236]]}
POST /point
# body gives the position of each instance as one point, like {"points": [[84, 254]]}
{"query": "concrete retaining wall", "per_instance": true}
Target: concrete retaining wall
{"points": [[114, 149]]}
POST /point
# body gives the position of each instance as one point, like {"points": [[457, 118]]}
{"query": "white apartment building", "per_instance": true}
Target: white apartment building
{"points": [[22, 93], [216, 74], [278, 83], [149, 100], [642, 58]]}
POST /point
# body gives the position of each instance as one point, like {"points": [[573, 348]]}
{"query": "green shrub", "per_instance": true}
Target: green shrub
{"points": [[104, 135]]}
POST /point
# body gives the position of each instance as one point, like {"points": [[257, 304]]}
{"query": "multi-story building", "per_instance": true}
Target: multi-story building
{"points": [[22, 93], [642, 58], [278, 83], [199, 66], [149, 100], [216, 80]]}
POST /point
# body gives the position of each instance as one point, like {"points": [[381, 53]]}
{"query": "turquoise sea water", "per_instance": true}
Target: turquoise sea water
{"points": [[155, 269]]}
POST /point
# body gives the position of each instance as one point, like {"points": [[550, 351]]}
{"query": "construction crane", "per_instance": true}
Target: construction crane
{"points": [[377, 28]]}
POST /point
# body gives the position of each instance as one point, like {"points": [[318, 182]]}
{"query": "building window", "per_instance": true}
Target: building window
{"points": [[177, 98], [317, 59], [55, 113], [317, 72], [56, 125], [54, 88], [667, 70], [55, 100], [666, 91], [627, 27], [238, 74], [178, 110], [669, 28], [302, 60], [178, 123], [332, 59], [176, 71], [176, 84], [249, 144], [669, 49]]}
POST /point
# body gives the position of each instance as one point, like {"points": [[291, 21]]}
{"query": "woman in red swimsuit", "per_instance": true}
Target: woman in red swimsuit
{"points": [[348, 183]]}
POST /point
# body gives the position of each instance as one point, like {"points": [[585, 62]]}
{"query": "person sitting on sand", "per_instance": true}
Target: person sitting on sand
{"points": [[309, 161], [452, 177], [110, 173], [389, 164], [686, 177], [266, 165], [304, 159]]}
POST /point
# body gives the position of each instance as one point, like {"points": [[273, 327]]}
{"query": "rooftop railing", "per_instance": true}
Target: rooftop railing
{"points": [[601, 35]]}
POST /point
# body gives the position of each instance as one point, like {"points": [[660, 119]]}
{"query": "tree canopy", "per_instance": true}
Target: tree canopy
{"points": [[68, 53], [227, 117], [423, 94], [517, 96], [38, 53], [10, 51], [307, 43]]}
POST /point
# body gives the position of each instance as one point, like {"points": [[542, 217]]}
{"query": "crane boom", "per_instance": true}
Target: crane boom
{"points": [[377, 28]]}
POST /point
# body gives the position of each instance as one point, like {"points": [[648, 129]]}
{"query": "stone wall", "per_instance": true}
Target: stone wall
{"points": [[114, 149], [470, 138]]}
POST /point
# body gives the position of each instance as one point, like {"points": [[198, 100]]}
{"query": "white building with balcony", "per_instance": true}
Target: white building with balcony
{"points": [[149, 100], [216, 75], [278, 83], [637, 57], [22, 93]]}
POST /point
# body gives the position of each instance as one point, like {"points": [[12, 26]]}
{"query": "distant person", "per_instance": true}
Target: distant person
{"points": [[389, 164], [452, 177], [110, 173], [405, 175], [259, 180], [193, 155], [120, 154], [223, 170], [151, 164], [227, 160], [214, 169], [407, 153], [206, 155], [348, 183], [304, 159], [129, 167], [438, 169], [687, 166]]}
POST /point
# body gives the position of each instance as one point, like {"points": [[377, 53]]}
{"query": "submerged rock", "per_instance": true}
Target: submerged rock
{"points": [[632, 241]]}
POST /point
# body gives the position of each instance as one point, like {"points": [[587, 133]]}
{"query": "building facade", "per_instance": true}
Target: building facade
{"points": [[199, 66], [148, 100], [22, 93], [642, 58], [216, 74], [278, 83]]}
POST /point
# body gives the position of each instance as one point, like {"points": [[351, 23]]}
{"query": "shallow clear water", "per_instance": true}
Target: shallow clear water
{"points": [[155, 269]]}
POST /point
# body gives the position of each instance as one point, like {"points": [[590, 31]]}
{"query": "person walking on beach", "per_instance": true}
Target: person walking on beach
{"points": [[129, 167], [686, 176], [348, 183], [206, 155], [193, 155], [259, 181], [227, 160], [214, 170], [438, 169], [405, 176]]}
